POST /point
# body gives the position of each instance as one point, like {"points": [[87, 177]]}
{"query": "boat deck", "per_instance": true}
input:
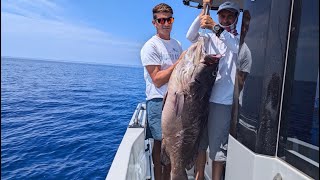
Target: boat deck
{"points": [[133, 159], [190, 172]]}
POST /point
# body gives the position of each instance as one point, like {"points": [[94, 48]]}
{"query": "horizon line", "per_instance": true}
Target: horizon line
{"points": [[70, 61]]}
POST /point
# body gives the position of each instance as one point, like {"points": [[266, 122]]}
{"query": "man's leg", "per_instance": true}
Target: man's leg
{"points": [[154, 122], [158, 173], [217, 169], [219, 125], [156, 159], [200, 165], [202, 156]]}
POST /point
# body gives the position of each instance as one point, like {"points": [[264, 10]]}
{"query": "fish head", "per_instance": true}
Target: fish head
{"points": [[195, 63], [211, 59]]}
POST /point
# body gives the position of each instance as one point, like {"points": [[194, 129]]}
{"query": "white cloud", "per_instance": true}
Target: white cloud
{"points": [[28, 32], [33, 9]]}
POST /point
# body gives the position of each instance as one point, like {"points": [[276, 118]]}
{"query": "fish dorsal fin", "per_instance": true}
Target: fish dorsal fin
{"points": [[179, 103]]}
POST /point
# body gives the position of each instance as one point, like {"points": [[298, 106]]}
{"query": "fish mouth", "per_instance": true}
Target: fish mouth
{"points": [[211, 59]]}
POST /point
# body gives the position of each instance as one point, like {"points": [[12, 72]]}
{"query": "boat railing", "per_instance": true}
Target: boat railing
{"points": [[133, 158], [136, 117]]}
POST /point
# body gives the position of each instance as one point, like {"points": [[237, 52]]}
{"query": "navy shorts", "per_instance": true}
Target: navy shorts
{"points": [[154, 111]]}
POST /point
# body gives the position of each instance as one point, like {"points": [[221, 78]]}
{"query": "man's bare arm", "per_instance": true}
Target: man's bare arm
{"points": [[161, 77]]}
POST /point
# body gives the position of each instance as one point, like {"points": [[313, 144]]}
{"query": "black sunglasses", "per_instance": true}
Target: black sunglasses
{"points": [[163, 20]]}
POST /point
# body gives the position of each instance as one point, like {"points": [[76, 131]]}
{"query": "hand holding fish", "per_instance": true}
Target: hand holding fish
{"points": [[204, 2], [206, 22]]}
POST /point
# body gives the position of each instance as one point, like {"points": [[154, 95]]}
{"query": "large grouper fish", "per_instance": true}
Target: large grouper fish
{"points": [[185, 108]]}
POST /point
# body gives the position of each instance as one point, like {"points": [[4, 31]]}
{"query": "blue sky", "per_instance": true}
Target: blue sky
{"points": [[95, 31]]}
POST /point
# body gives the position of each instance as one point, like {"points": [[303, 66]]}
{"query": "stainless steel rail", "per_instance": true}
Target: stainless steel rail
{"points": [[136, 123]]}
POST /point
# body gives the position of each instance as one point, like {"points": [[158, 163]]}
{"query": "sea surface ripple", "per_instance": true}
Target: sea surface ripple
{"points": [[64, 120]]}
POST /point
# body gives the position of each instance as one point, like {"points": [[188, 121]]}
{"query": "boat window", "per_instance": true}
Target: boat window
{"points": [[299, 128], [276, 98], [259, 76]]}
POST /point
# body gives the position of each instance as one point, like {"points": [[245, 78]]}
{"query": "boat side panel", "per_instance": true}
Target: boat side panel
{"points": [[242, 163]]}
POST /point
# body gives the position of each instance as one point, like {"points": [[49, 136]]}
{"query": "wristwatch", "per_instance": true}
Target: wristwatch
{"points": [[217, 29]]}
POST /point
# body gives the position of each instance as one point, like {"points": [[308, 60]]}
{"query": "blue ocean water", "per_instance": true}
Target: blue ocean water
{"points": [[64, 120]]}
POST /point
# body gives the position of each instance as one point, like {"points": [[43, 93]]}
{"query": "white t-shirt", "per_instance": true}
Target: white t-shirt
{"points": [[227, 45], [245, 59], [157, 51], [245, 62]]}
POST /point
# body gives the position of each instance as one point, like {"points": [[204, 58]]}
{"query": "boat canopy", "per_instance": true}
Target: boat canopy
{"points": [[215, 3]]}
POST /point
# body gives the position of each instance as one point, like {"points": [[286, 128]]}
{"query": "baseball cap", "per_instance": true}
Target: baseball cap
{"points": [[230, 6]]}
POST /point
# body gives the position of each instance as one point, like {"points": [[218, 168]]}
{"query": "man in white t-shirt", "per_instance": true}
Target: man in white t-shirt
{"points": [[159, 56], [224, 40]]}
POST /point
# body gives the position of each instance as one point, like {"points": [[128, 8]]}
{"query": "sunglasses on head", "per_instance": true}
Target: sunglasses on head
{"points": [[163, 20]]}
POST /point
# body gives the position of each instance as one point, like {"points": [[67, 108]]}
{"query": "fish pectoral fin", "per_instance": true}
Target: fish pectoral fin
{"points": [[179, 103], [164, 99]]}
